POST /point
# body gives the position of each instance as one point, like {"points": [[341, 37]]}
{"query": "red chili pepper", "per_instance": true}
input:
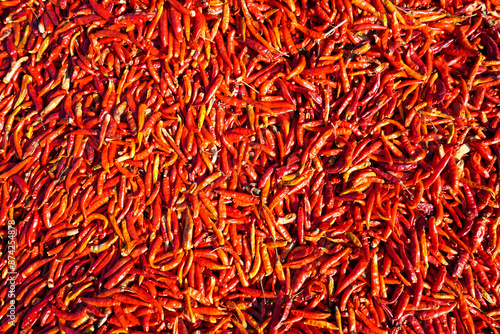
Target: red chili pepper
{"points": [[238, 189]]}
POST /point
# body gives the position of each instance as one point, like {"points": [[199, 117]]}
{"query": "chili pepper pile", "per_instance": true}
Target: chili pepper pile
{"points": [[250, 166]]}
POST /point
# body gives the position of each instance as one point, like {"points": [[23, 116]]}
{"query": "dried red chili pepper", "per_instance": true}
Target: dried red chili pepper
{"points": [[286, 162]]}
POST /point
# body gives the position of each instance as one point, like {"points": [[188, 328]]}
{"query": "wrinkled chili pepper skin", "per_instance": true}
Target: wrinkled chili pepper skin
{"points": [[250, 166]]}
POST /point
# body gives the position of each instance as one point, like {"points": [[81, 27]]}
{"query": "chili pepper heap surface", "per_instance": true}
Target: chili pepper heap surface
{"points": [[250, 166]]}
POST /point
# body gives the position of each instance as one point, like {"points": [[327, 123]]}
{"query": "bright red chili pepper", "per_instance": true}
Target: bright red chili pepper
{"points": [[214, 153]]}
